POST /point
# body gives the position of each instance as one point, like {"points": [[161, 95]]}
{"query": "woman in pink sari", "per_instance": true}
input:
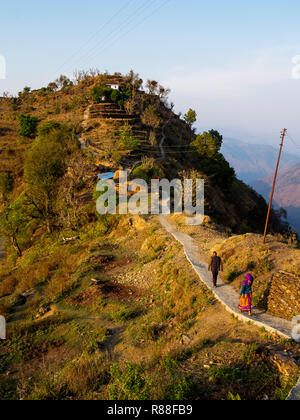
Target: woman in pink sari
{"points": [[246, 295]]}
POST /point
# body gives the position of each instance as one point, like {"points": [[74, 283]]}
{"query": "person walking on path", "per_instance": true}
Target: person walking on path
{"points": [[215, 266], [246, 295]]}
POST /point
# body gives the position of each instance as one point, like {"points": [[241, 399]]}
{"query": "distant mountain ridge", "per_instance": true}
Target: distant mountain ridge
{"points": [[287, 194], [255, 161]]}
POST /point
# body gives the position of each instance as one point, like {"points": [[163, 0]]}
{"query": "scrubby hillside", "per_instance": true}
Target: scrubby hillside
{"points": [[148, 329], [106, 306], [125, 127]]}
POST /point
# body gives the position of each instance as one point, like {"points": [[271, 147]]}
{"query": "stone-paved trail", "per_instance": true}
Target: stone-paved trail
{"points": [[228, 296], [225, 293]]}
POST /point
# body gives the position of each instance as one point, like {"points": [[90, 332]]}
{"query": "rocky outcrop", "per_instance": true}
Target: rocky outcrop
{"points": [[284, 295]]}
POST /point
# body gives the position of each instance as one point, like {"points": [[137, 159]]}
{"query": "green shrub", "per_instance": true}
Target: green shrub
{"points": [[122, 313], [264, 266], [45, 164], [121, 103], [148, 170], [208, 144], [77, 379], [13, 225], [232, 397], [139, 173], [180, 386], [48, 126], [128, 384], [6, 183], [115, 95], [116, 156], [146, 332], [231, 275], [98, 92], [27, 126], [255, 376], [127, 140], [218, 169], [250, 353]]}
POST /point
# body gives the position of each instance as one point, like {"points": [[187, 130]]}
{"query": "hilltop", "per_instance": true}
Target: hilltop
{"points": [[125, 127]]}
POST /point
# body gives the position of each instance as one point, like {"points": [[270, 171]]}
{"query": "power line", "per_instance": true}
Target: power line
{"points": [[95, 34], [130, 19], [116, 31], [177, 149], [170, 152]]}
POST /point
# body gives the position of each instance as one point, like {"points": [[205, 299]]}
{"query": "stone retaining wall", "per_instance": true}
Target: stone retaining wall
{"points": [[284, 295]]}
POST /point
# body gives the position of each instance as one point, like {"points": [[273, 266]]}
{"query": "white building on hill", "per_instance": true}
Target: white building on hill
{"points": [[113, 86]]}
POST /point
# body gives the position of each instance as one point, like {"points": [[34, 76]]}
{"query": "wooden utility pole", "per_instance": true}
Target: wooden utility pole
{"points": [[283, 134]]}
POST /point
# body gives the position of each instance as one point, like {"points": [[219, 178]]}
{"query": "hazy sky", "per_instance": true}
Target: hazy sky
{"points": [[230, 60]]}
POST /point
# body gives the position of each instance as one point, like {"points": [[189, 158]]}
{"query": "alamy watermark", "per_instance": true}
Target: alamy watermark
{"points": [[162, 197], [296, 67], [2, 328], [296, 328], [2, 68]]}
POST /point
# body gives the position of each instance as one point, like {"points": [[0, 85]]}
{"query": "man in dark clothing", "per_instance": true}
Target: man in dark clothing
{"points": [[215, 266]]}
